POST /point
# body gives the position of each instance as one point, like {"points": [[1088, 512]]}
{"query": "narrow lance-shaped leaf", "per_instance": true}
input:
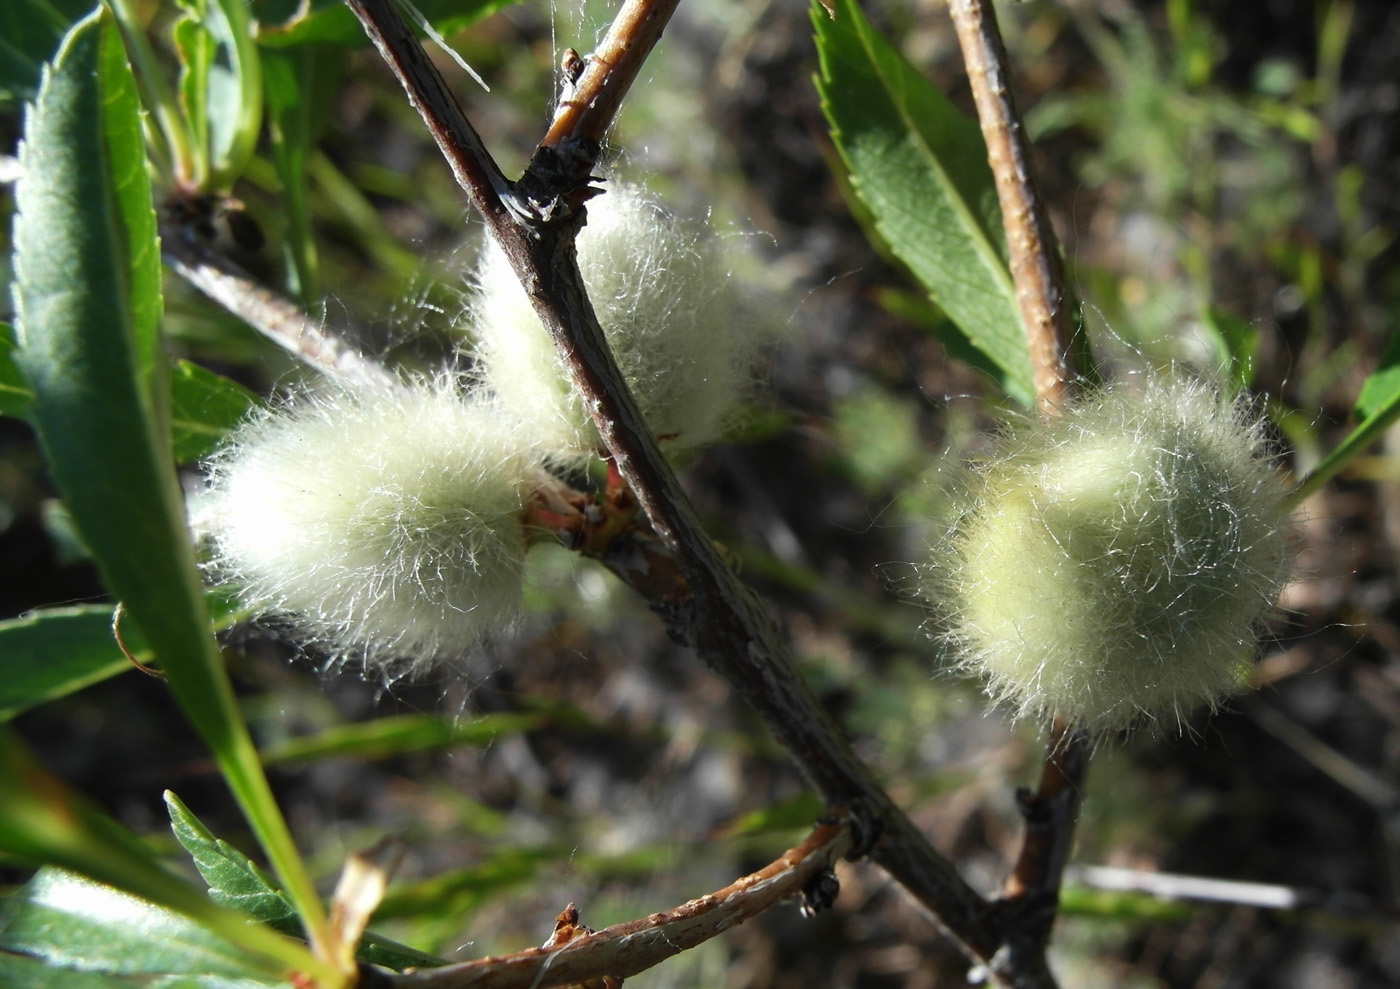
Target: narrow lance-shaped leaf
{"points": [[920, 167], [87, 308]]}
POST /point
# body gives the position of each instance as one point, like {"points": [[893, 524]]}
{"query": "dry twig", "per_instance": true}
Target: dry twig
{"points": [[274, 316], [1036, 267], [626, 949]]}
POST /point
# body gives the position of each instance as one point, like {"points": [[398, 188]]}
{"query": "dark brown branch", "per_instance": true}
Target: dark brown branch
{"points": [[572, 957], [472, 165], [1036, 267], [711, 610]]}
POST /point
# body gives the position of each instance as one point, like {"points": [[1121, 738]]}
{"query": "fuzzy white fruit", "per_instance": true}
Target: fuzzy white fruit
{"points": [[671, 312], [382, 522], [1111, 566]]}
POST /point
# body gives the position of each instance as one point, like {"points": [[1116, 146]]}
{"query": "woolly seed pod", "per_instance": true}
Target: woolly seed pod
{"points": [[380, 521], [1110, 566], [668, 307]]}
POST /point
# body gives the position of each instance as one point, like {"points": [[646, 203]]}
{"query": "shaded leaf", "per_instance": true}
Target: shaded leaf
{"points": [[920, 168], [300, 86], [15, 396], [204, 406], [54, 652], [1235, 342], [30, 31], [1383, 386], [384, 737], [48, 654]]}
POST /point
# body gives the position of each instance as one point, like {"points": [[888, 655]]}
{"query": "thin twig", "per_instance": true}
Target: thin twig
{"points": [[588, 108], [626, 949], [1031, 895], [715, 613], [1036, 268], [274, 316]]}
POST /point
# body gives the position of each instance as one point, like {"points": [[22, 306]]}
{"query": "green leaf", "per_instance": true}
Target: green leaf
{"points": [[236, 882], [41, 820], [196, 48], [234, 91], [84, 248], [30, 31], [300, 85], [1378, 407], [70, 922], [15, 396], [1382, 387], [330, 21], [920, 168], [49, 654], [384, 737], [204, 406], [54, 652], [1236, 343]]}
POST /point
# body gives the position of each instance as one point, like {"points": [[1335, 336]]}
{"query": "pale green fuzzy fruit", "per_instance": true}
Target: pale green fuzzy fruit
{"points": [[670, 310], [1110, 566], [382, 522]]}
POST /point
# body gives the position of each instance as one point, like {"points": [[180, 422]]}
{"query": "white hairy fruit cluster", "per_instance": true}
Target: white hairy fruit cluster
{"points": [[381, 521], [1110, 566], [668, 306]]}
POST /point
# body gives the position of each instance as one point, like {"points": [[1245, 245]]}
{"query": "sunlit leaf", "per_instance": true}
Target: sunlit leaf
{"points": [[920, 168]]}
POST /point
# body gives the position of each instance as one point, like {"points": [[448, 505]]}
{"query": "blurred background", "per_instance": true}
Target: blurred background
{"points": [[1225, 178]]}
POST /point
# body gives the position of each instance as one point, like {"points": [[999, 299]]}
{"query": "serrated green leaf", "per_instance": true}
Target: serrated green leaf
{"points": [[81, 323], [204, 406], [15, 396], [69, 921], [920, 168], [330, 21], [236, 882]]}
